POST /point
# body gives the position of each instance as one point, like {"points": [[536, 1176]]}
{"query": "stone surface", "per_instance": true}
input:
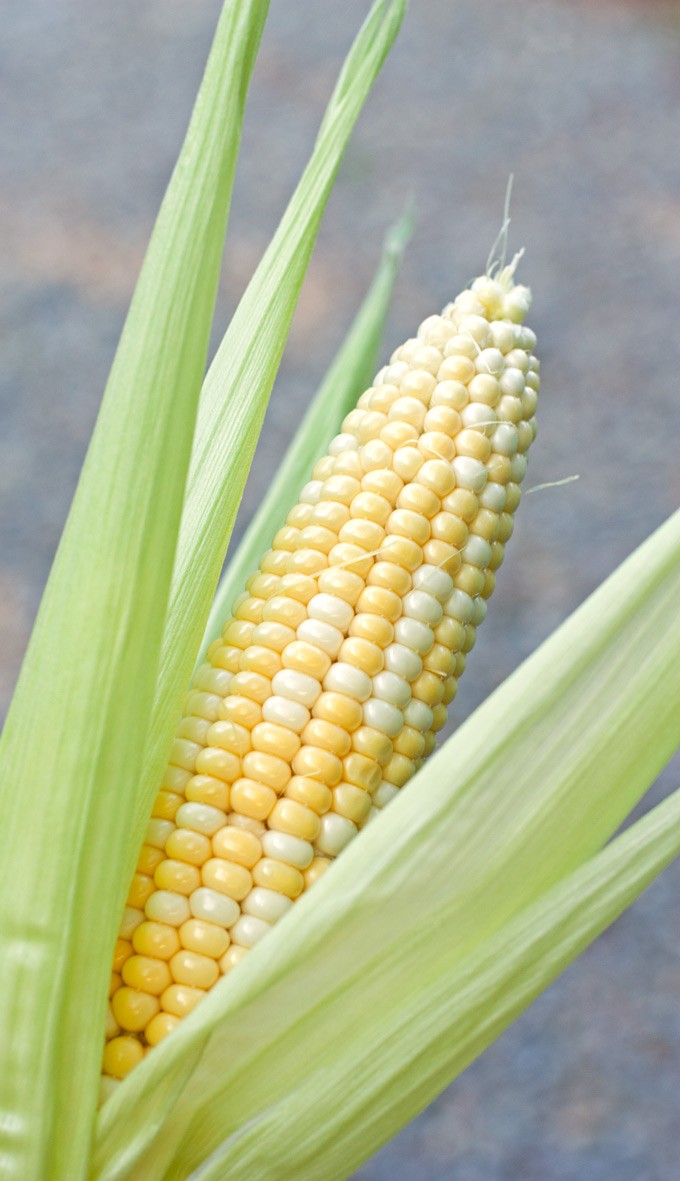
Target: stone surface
{"points": [[581, 102]]}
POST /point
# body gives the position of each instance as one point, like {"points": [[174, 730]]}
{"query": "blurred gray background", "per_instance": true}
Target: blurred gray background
{"points": [[581, 101]]}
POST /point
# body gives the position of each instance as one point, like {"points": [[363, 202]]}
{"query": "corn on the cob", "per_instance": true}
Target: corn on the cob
{"points": [[329, 683]]}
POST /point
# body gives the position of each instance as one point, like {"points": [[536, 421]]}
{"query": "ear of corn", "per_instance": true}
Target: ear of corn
{"points": [[324, 693]]}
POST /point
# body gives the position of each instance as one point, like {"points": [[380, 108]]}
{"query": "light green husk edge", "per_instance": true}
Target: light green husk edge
{"points": [[447, 914]]}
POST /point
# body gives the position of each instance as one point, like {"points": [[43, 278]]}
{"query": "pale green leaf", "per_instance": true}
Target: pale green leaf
{"points": [[525, 793], [350, 373], [237, 388], [74, 740]]}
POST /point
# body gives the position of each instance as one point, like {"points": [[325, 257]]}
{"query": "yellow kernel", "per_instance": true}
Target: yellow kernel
{"points": [[352, 558], [267, 769], [180, 999], [252, 799], [122, 951], [237, 633], [114, 983], [367, 535], [419, 499], [226, 658], [410, 742], [195, 729], [436, 445], [155, 939], [452, 394], [231, 958], [438, 476], [399, 770], [306, 658], [299, 587], [284, 609], [252, 685], [166, 804], [186, 845], [429, 688], [340, 488], [372, 626], [362, 772], [148, 859], [443, 419], [402, 551], [237, 844], [371, 507], [469, 579], [141, 888], [285, 879], [273, 739], [392, 577], [399, 434], [133, 1009], [330, 515], [372, 743], [407, 462], [440, 660], [293, 818], [450, 632], [343, 583], [307, 561], [486, 524], [175, 780], [259, 659], [441, 554], [461, 503], [473, 443], [249, 609], [337, 708], [450, 690], [227, 878], [183, 754], [221, 764], [263, 586], [310, 792], [274, 562], [316, 870], [380, 601], [146, 973], [320, 764], [439, 718], [419, 383], [452, 530], [159, 1027], [362, 654], [273, 635], [317, 537], [177, 876], [190, 967], [121, 1055], [499, 468], [456, 368], [229, 735], [203, 937], [489, 584], [351, 802], [326, 735], [206, 789]]}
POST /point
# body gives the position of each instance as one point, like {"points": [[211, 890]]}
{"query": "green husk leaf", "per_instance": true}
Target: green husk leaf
{"points": [[237, 388], [522, 796], [349, 374], [73, 745]]}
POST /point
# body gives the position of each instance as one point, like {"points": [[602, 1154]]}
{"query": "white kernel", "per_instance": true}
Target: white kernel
{"points": [[385, 793], [476, 551], [330, 609], [518, 468], [493, 497], [296, 686], [283, 847], [132, 917], [434, 580], [213, 906], [157, 832], [512, 382], [414, 634], [375, 455], [389, 686], [266, 904], [419, 604], [383, 716], [469, 472], [403, 661], [342, 443], [311, 492], [249, 930], [528, 339], [322, 635], [503, 337], [345, 678], [201, 818], [418, 715], [336, 832], [479, 613], [460, 606], [473, 325], [479, 415], [505, 439], [164, 906], [284, 712], [490, 361], [517, 359]]}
